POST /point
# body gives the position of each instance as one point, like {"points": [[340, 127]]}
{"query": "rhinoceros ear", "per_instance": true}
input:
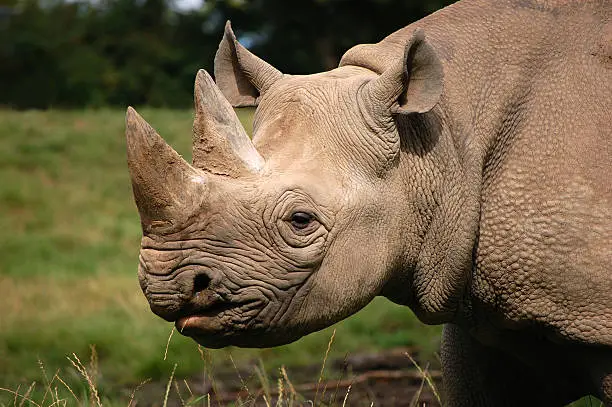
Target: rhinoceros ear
{"points": [[414, 84], [166, 188], [241, 76]]}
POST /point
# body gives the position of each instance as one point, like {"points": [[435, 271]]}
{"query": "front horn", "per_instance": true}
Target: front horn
{"points": [[166, 188]]}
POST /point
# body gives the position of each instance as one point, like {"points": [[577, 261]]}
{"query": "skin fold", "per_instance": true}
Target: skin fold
{"points": [[460, 167]]}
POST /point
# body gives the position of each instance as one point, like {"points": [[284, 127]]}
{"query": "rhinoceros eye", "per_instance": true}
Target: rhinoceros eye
{"points": [[301, 220]]}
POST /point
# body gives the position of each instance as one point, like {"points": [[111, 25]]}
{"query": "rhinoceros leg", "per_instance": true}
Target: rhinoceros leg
{"points": [[476, 375]]}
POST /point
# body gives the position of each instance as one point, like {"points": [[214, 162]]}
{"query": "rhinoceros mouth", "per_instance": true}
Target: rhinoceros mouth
{"points": [[222, 318]]}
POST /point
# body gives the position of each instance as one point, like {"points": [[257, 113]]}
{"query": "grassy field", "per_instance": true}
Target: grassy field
{"points": [[69, 236]]}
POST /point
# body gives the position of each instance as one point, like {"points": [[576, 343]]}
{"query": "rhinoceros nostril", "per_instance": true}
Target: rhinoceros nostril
{"points": [[200, 283]]}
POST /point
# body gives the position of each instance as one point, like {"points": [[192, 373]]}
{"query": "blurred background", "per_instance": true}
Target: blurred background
{"points": [[69, 231], [75, 54]]}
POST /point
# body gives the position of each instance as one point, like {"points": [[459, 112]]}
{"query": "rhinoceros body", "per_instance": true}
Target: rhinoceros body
{"points": [[461, 166]]}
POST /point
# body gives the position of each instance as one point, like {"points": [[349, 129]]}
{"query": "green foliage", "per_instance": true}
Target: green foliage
{"points": [[132, 52], [310, 36], [69, 238], [116, 52]]}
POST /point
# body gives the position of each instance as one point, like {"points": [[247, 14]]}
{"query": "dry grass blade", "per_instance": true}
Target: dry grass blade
{"points": [[69, 389], [242, 382], [438, 358], [348, 390], [15, 397], [168, 343], [279, 400], [290, 385], [81, 369], [332, 399], [54, 397], [135, 390], [188, 388], [427, 378], [27, 394], [178, 391], [93, 363], [208, 369], [322, 400], [29, 400], [331, 340], [415, 398], [57, 401], [286, 377], [198, 399], [169, 385], [46, 382], [266, 401], [260, 371]]}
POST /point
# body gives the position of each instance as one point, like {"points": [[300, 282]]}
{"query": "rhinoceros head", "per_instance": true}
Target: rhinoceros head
{"points": [[257, 243]]}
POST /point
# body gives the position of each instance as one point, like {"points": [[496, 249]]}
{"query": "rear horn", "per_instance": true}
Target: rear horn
{"points": [[220, 143]]}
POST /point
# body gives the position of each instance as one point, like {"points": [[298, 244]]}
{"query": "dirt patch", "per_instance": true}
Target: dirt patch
{"points": [[385, 378]]}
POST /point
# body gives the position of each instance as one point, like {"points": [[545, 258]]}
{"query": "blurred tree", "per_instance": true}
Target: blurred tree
{"points": [[311, 35], [119, 52]]}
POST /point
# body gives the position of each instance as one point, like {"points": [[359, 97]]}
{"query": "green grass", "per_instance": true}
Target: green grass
{"points": [[69, 237]]}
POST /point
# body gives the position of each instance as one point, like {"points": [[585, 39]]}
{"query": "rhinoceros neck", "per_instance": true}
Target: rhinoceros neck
{"points": [[526, 110], [496, 56], [440, 181]]}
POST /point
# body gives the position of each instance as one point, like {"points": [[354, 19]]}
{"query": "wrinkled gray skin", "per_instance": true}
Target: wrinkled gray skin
{"points": [[461, 166]]}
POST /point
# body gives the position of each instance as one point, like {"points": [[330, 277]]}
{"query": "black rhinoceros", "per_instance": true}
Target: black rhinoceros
{"points": [[461, 167]]}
